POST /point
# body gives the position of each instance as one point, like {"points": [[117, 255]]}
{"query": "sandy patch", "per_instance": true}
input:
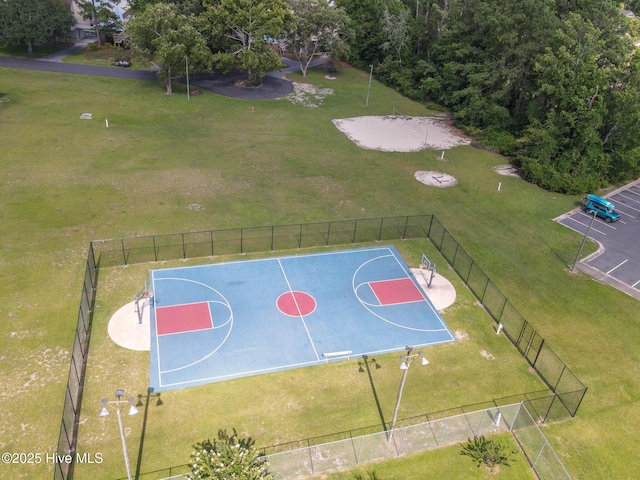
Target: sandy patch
{"points": [[397, 133], [308, 95], [435, 179], [508, 170]]}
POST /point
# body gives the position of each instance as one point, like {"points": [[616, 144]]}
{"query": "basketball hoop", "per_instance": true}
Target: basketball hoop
{"points": [[423, 266], [149, 294]]}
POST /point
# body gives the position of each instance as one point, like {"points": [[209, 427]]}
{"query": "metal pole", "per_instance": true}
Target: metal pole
{"points": [[395, 411], [583, 241], [369, 89], [186, 62], [124, 441]]}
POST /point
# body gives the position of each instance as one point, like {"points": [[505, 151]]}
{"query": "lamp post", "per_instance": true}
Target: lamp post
{"points": [[366, 104], [407, 360], [584, 239], [132, 411]]}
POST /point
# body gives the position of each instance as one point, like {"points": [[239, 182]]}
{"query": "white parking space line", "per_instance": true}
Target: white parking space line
{"points": [[634, 285], [593, 229], [636, 200], [619, 265]]}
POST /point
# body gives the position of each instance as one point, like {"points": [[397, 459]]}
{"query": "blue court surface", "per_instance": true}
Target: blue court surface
{"points": [[216, 322]]}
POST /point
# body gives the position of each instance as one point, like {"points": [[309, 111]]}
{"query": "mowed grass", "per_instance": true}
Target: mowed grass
{"points": [[67, 181]]}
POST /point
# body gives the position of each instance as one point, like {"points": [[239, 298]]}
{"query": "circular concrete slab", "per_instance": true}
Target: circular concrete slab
{"points": [[126, 330], [441, 292]]}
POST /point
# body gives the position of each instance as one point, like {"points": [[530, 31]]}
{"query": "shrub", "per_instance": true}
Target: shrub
{"points": [[489, 453], [228, 457]]}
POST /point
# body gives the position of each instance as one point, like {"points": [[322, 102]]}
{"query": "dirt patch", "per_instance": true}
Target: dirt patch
{"points": [[435, 179], [487, 355], [308, 95], [508, 170], [399, 133]]}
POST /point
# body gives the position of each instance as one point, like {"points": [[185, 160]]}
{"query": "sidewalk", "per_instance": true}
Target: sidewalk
{"points": [[58, 56]]}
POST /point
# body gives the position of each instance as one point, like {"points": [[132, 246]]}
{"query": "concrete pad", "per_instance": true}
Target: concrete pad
{"points": [[441, 292], [126, 330]]}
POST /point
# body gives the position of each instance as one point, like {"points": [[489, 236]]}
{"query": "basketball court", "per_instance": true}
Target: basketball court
{"points": [[216, 322]]}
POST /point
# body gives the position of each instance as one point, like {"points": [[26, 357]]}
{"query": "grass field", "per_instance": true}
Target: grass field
{"points": [[167, 165]]}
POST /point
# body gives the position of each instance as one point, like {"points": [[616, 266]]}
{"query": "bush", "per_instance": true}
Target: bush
{"points": [[489, 453], [228, 457]]}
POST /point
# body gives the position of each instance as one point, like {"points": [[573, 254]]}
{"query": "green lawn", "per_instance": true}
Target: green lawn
{"points": [[67, 181]]}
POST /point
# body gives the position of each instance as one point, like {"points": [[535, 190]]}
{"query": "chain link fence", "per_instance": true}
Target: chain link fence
{"points": [[349, 453], [155, 248], [567, 388], [568, 391], [75, 382]]}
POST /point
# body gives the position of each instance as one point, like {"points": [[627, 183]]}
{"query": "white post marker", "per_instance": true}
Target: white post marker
{"points": [[499, 329], [498, 418], [499, 186], [442, 156], [106, 122]]}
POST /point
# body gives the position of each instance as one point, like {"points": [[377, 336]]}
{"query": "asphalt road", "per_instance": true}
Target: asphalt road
{"points": [[273, 87], [617, 261]]}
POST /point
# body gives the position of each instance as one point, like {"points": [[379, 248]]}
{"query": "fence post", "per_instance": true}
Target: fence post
{"points": [[535, 360], [300, 237], [241, 232], [455, 255], [406, 225], [328, 233], [355, 229], [124, 255], [184, 248], [155, 249], [211, 235], [380, 232], [272, 227]]}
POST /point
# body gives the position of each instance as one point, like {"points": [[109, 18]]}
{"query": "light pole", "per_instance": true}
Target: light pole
{"points": [[366, 104], [407, 360], [132, 411], [584, 239]]}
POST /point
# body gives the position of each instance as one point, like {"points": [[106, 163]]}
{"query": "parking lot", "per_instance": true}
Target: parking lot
{"points": [[617, 261]]}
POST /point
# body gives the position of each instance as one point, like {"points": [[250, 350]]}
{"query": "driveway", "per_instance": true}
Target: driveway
{"points": [[617, 261], [274, 86]]}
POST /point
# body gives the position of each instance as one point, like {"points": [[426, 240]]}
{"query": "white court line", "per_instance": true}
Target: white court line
{"points": [[301, 316], [619, 265], [226, 303]]}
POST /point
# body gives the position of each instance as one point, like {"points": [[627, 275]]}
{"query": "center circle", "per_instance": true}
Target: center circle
{"points": [[296, 304]]}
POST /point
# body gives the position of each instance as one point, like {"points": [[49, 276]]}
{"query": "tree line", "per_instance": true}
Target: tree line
{"points": [[555, 84], [235, 35]]}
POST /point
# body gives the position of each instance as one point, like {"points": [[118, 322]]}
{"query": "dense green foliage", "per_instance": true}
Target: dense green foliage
{"points": [[238, 32], [552, 83], [34, 22], [171, 38], [228, 457], [318, 28]]}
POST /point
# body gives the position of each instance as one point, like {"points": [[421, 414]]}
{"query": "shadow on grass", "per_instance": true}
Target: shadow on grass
{"points": [[140, 403], [365, 365]]}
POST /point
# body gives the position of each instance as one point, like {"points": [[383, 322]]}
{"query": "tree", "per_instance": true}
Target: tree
{"points": [[34, 22], [245, 26], [102, 16], [228, 457], [170, 39], [319, 27], [396, 29]]}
